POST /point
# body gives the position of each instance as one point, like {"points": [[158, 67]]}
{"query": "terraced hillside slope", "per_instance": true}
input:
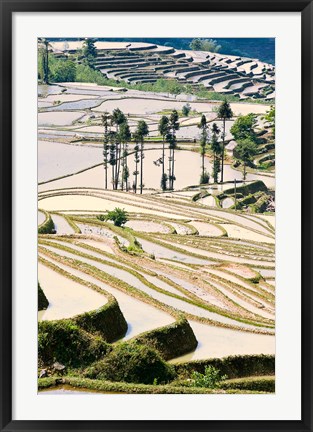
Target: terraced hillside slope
{"points": [[138, 63], [186, 282]]}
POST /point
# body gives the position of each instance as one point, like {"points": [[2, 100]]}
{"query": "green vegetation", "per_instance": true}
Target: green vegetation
{"points": [[130, 388], [270, 118], [233, 366], [211, 378], [132, 362], [245, 152], [217, 152], [172, 340], [224, 112], [117, 216], [204, 45], [204, 178], [64, 341], [173, 126], [163, 128], [43, 302], [43, 60], [89, 52], [141, 132], [186, 110], [63, 71], [47, 227], [253, 384], [107, 321], [248, 189], [243, 128]]}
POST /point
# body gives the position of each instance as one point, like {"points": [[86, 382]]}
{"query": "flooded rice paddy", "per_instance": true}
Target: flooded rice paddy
{"points": [[197, 258]]}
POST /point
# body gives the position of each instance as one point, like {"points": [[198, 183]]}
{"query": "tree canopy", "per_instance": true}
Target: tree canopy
{"points": [[243, 128], [204, 45]]}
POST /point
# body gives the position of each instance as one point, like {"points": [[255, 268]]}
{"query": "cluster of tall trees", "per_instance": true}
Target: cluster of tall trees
{"points": [[117, 136]]}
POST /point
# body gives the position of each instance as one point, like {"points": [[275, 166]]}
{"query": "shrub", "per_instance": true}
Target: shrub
{"points": [[204, 178], [42, 299], [210, 379], [65, 342], [186, 110], [117, 216], [132, 362]]}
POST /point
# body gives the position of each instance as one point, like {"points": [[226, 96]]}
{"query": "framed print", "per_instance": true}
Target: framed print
{"points": [[156, 216]]}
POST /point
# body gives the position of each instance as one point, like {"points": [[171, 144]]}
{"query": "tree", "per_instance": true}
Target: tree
{"points": [[164, 130], [217, 151], [112, 154], [186, 110], [89, 52], [44, 51], [118, 216], [117, 119], [64, 71], [204, 178], [224, 112], [106, 121], [171, 138], [136, 138], [245, 151], [204, 45], [243, 128], [124, 137], [270, 118], [141, 132]]}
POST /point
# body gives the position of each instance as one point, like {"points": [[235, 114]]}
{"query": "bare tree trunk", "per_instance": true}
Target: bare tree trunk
{"points": [[173, 171], [136, 175], [126, 167], [141, 166], [163, 157], [222, 171], [169, 169]]}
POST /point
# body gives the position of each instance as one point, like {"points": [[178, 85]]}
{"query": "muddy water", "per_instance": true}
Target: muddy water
{"points": [[83, 203], [220, 342], [227, 202], [135, 282], [58, 118], [164, 252], [76, 105], [216, 255], [57, 159], [45, 90], [66, 297], [206, 229], [140, 316], [125, 276], [145, 226], [209, 201], [148, 106], [237, 232], [61, 225], [41, 217], [101, 231]]}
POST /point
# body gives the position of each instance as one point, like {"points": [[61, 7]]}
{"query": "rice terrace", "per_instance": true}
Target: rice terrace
{"points": [[156, 216]]}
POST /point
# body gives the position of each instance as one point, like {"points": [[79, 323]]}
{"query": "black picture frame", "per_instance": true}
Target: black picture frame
{"points": [[7, 9]]}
